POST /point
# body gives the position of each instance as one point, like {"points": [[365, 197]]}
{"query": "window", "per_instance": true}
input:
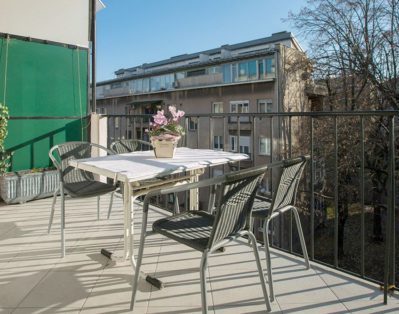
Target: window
{"points": [[226, 69], [264, 146], [101, 110], [116, 122], [239, 107], [192, 124], [217, 107], [217, 172], [244, 144], [116, 85], [218, 142], [265, 105], [197, 72], [270, 68]]}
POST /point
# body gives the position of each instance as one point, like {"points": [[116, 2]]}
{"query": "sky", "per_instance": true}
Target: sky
{"points": [[133, 32]]}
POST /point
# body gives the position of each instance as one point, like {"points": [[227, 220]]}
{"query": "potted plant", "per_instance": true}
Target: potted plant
{"points": [[165, 132], [26, 185]]}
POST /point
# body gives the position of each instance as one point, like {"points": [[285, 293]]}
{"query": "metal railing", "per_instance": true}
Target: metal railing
{"points": [[349, 193]]}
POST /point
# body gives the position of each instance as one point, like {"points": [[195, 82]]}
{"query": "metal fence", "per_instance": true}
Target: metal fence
{"points": [[348, 195]]}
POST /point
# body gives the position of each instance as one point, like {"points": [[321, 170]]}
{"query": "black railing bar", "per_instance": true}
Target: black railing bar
{"points": [[362, 215], [133, 124], [343, 270], [312, 171], [186, 122], [210, 132], [272, 114], [289, 156], [253, 150], [198, 132], [336, 221], [238, 139]]}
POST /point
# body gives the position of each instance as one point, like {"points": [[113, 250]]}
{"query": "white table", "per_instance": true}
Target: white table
{"points": [[137, 166]]}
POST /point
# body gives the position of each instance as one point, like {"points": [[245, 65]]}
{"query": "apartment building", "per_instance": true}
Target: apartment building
{"points": [[259, 76]]}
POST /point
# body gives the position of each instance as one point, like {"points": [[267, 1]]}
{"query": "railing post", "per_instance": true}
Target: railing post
{"points": [[312, 171], [389, 258]]}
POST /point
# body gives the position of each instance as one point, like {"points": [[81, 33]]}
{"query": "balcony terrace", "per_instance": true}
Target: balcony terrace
{"points": [[34, 279]]}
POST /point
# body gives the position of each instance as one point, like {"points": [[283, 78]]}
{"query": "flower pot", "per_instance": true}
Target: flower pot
{"points": [[164, 148], [20, 187]]}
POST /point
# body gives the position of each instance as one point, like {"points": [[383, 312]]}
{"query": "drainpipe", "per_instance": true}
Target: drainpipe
{"points": [[93, 55]]}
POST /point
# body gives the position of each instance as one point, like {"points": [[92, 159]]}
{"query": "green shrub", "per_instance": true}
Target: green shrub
{"points": [[4, 156]]}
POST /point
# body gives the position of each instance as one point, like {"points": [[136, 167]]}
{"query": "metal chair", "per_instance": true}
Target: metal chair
{"points": [[75, 182], [124, 146], [129, 145], [282, 200], [205, 232]]}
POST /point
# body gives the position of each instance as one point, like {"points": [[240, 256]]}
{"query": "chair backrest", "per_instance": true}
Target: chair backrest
{"points": [[61, 154], [287, 187], [130, 145], [234, 200]]}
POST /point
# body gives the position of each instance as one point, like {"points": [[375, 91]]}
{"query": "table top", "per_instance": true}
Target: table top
{"points": [[143, 165]]}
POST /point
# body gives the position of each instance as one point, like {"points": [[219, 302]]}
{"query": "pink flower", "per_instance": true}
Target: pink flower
{"points": [[176, 115], [160, 118]]}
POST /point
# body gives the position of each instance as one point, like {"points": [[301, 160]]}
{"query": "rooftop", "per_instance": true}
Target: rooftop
{"points": [[34, 279], [224, 52]]}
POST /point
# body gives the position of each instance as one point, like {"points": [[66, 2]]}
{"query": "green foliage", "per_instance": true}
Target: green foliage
{"points": [[172, 129], [4, 156]]}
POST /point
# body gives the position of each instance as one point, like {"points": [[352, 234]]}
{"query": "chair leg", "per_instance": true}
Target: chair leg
{"points": [[176, 208], [62, 221], [98, 208], [301, 237], [260, 270], [110, 205], [52, 210], [268, 259], [137, 264], [203, 267]]}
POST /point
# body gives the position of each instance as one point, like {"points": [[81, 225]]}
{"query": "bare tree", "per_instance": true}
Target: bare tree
{"points": [[354, 45]]}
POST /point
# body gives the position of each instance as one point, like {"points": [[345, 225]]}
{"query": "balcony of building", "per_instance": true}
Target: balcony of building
{"points": [[350, 262]]}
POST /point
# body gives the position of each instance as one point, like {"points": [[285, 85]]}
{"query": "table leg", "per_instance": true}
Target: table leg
{"points": [[127, 203], [194, 193]]}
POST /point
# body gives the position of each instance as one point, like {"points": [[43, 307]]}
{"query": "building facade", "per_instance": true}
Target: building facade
{"points": [[266, 75]]}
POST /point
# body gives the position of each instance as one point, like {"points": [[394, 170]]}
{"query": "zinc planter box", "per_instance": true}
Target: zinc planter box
{"points": [[24, 186]]}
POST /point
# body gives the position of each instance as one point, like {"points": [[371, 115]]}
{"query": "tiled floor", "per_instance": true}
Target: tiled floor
{"points": [[33, 279]]}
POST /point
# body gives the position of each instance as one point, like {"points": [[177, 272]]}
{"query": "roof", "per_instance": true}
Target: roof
{"points": [[274, 38]]}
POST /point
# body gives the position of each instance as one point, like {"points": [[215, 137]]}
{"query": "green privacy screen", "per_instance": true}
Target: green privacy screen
{"points": [[47, 84]]}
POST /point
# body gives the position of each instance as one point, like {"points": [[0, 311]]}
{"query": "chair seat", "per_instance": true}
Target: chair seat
{"points": [[88, 188], [190, 228], [260, 208]]}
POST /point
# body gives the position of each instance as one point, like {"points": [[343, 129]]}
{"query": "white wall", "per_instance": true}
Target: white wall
{"points": [[65, 21]]}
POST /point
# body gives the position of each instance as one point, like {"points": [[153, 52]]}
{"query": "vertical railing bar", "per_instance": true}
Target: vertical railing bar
{"points": [[312, 177], [225, 139], [336, 192], [271, 171], [238, 139], [198, 132], [133, 126], [389, 258], [253, 138], [211, 132], [255, 146], [186, 131], [119, 126], [362, 217], [290, 156]]}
